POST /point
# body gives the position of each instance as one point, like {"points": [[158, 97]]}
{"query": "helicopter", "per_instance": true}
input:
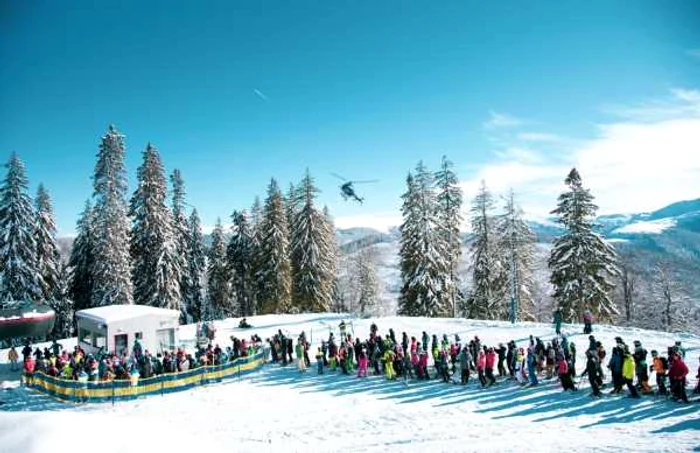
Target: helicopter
{"points": [[348, 191]]}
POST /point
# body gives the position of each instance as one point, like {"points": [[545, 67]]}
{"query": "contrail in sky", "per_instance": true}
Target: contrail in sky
{"points": [[259, 94]]}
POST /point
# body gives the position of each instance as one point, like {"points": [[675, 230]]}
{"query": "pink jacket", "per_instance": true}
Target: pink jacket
{"points": [[562, 367], [481, 361], [363, 363], [490, 360]]}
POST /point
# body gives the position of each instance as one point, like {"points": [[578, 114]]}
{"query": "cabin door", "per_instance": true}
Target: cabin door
{"points": [[121, 344]]}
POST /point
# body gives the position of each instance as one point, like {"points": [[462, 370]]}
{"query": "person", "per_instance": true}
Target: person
{"points": [[567, 382], [319, 361], [13, 357], [362, 364], [677, 374], [587, 322], [659, 366], [592, 370], [342, 328], [628, 369], [557, 322], [301, 363], [244, 324]]}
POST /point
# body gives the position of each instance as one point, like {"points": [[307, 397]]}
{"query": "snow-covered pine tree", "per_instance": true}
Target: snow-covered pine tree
{"points": [[449, 202], [155, 264], [311, 253], [111, 273], [422, 253], [181, 232], [333, 257], [82, 261], [220, 304], [488, 274], [581, 262], [193, 295], [517, 255], [48, 257], [255, 225], [63, 306], [275, 271], [19, 273], [239, 257]]}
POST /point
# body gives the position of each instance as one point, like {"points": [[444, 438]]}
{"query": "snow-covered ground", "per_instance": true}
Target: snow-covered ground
{"points": [[280, 410], [647, 226]]}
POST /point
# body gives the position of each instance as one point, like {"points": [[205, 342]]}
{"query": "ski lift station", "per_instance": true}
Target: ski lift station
{"points": [[116, 327]]}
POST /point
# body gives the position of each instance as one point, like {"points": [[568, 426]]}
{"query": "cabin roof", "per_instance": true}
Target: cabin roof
{"points": [[113, 313]]}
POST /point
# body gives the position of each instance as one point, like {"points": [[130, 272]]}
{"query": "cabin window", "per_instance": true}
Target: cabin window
{"points": [[85, 336], [99, 340]]}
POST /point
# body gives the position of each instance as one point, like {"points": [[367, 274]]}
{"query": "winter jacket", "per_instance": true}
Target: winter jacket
{"points": [[465, 359], [562, 367], [628, 368], [490, 359], [481, 361], [12, 355], [679, 370]]}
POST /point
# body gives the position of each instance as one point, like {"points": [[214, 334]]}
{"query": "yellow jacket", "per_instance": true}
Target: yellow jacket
{"points": [[628, 367]]}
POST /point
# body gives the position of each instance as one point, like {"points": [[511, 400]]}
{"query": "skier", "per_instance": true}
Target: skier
{"points": [[519, 367], [659, 365], [342, 328], [628, 368], [564, 375], [363, 364], [592, 369], [319, 361], [587, 322], [640, 359], [301, 363], [490, 363], [501, 358], [481, 367], [677, 374], [531, 365], [13, 357], [615, 366], [557, 321], [465, 362]]}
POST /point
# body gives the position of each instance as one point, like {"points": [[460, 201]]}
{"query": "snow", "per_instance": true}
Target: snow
{"points": [[279, 409], [114, 313], [647, 226]]}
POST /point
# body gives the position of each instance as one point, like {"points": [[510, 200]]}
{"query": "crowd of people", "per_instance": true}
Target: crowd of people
{"points": [[78, 365], [423, 357], [452, 360]]}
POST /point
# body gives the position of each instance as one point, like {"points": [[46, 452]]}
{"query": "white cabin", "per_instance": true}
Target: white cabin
{"points": [[117, 327]]}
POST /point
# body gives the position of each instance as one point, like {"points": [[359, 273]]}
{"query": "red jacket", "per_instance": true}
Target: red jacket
{"points": [[490, 360], [562, 367], [481, 361], [679, 370]]}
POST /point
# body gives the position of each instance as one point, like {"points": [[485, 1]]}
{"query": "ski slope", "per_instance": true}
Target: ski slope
{"points": [[281, 410]]}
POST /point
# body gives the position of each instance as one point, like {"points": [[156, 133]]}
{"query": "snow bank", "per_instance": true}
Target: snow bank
{"points": [[647, 226]]}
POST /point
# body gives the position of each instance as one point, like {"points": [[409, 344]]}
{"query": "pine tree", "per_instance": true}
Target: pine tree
{"points": [[488, 274], [48, 257], [275, 271], [240, 259], [82, 261], [332, 258], [181, 232], [63, 306], [19, 272], [193, 294], [111, 273], [517, 256], [255, 226], [449, 202], [422, 253], [581, 262], [156, 266], [219, 303], [311, 248]]}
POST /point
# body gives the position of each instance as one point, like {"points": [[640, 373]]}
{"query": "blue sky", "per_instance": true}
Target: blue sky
{"points": [[237, 92]]}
